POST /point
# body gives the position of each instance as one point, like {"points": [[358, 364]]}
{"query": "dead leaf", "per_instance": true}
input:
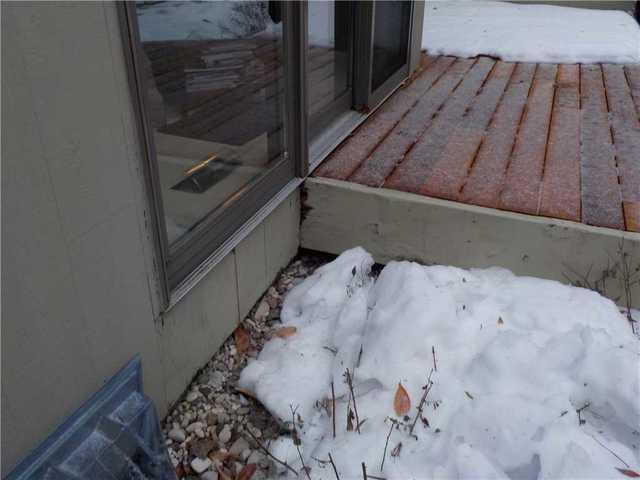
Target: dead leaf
{"points": [[222, 456], [246, 393], [500, 321], [396, 450], [179, 471], [247, 472], [223, 473], [285, 332], [350, 417], [242, 339], [401, 402], [628, 473]]}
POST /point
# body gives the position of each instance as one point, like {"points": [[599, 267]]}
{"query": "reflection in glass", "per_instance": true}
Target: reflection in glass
{"points": [[390, 39], [328, 62], [213, 73]]}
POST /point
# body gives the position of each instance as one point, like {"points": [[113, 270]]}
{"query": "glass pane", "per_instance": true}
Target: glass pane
{"points": [[214, 80], [390, 40], [328, 62]]}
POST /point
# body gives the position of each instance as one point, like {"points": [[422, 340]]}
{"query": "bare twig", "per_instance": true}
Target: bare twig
{"points": [[433, 351], [364, 471], [296, 439], [269, 454], [579, 411], [427, 389], [627, 280], [386, 444], [353, 396], [333, 409], [609, 450], [335, 470]]}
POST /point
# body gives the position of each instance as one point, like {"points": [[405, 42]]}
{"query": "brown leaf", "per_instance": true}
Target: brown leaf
{"points": [[223, 473], [247, 472], [222, 456], [500, 321], [401, 402], [242, 339], [350, 417], [246, 393], [285, 332], [179, 471], [396, 450], [628, 473]]}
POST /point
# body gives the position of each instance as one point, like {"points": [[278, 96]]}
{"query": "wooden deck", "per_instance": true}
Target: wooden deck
{"points": [[559, 141]]}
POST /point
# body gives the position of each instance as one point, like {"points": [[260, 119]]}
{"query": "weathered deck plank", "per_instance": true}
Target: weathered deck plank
{"points": [[450, 171], [560, 196], [601, 198], [351, 153], [521, 192], [632, 73], [411, 174], [394, 147], [625, 128], [486, 178]]}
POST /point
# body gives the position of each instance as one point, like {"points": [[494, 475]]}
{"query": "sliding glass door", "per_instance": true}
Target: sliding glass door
{"points": [[329, 63]]}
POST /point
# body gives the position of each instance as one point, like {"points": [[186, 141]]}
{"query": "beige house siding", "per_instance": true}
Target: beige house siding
{"points": [[79, 282]]}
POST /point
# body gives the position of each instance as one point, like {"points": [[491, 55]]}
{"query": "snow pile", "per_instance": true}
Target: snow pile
{"points": [[517, 358], [530, 33]]}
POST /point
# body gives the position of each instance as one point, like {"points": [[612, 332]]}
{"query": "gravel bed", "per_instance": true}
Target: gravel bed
{"points": [[212, 432]]}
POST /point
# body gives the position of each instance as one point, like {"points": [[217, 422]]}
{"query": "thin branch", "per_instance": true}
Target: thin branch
{"points": [[269, 454], [296, 440], [364, 471], [433, 351], [386, 444], [579, 411], [609, 450], [335, 470], [353, 396], [427, 389], [333, 409]]}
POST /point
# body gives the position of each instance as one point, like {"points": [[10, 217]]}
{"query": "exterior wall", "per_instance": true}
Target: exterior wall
{"points": [[79, 283]]}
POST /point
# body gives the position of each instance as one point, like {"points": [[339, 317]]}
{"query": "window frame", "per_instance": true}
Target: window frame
{"points": [[179, 263]]}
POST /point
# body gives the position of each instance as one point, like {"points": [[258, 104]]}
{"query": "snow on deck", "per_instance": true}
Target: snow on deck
{"points": [[529, 378], [530, 33]]}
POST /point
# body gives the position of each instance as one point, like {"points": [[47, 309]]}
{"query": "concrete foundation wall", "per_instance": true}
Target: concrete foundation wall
{"points": [[396, 225], [79, 284]]}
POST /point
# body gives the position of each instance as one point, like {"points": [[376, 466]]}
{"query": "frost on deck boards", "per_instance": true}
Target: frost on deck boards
{"points": [[559, 141]]}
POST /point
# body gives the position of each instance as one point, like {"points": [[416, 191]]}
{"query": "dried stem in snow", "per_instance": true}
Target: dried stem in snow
{"points": [[270, 455], [427, 389], [335, 470], [333, 409], [386, 444], [349, 381]]}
